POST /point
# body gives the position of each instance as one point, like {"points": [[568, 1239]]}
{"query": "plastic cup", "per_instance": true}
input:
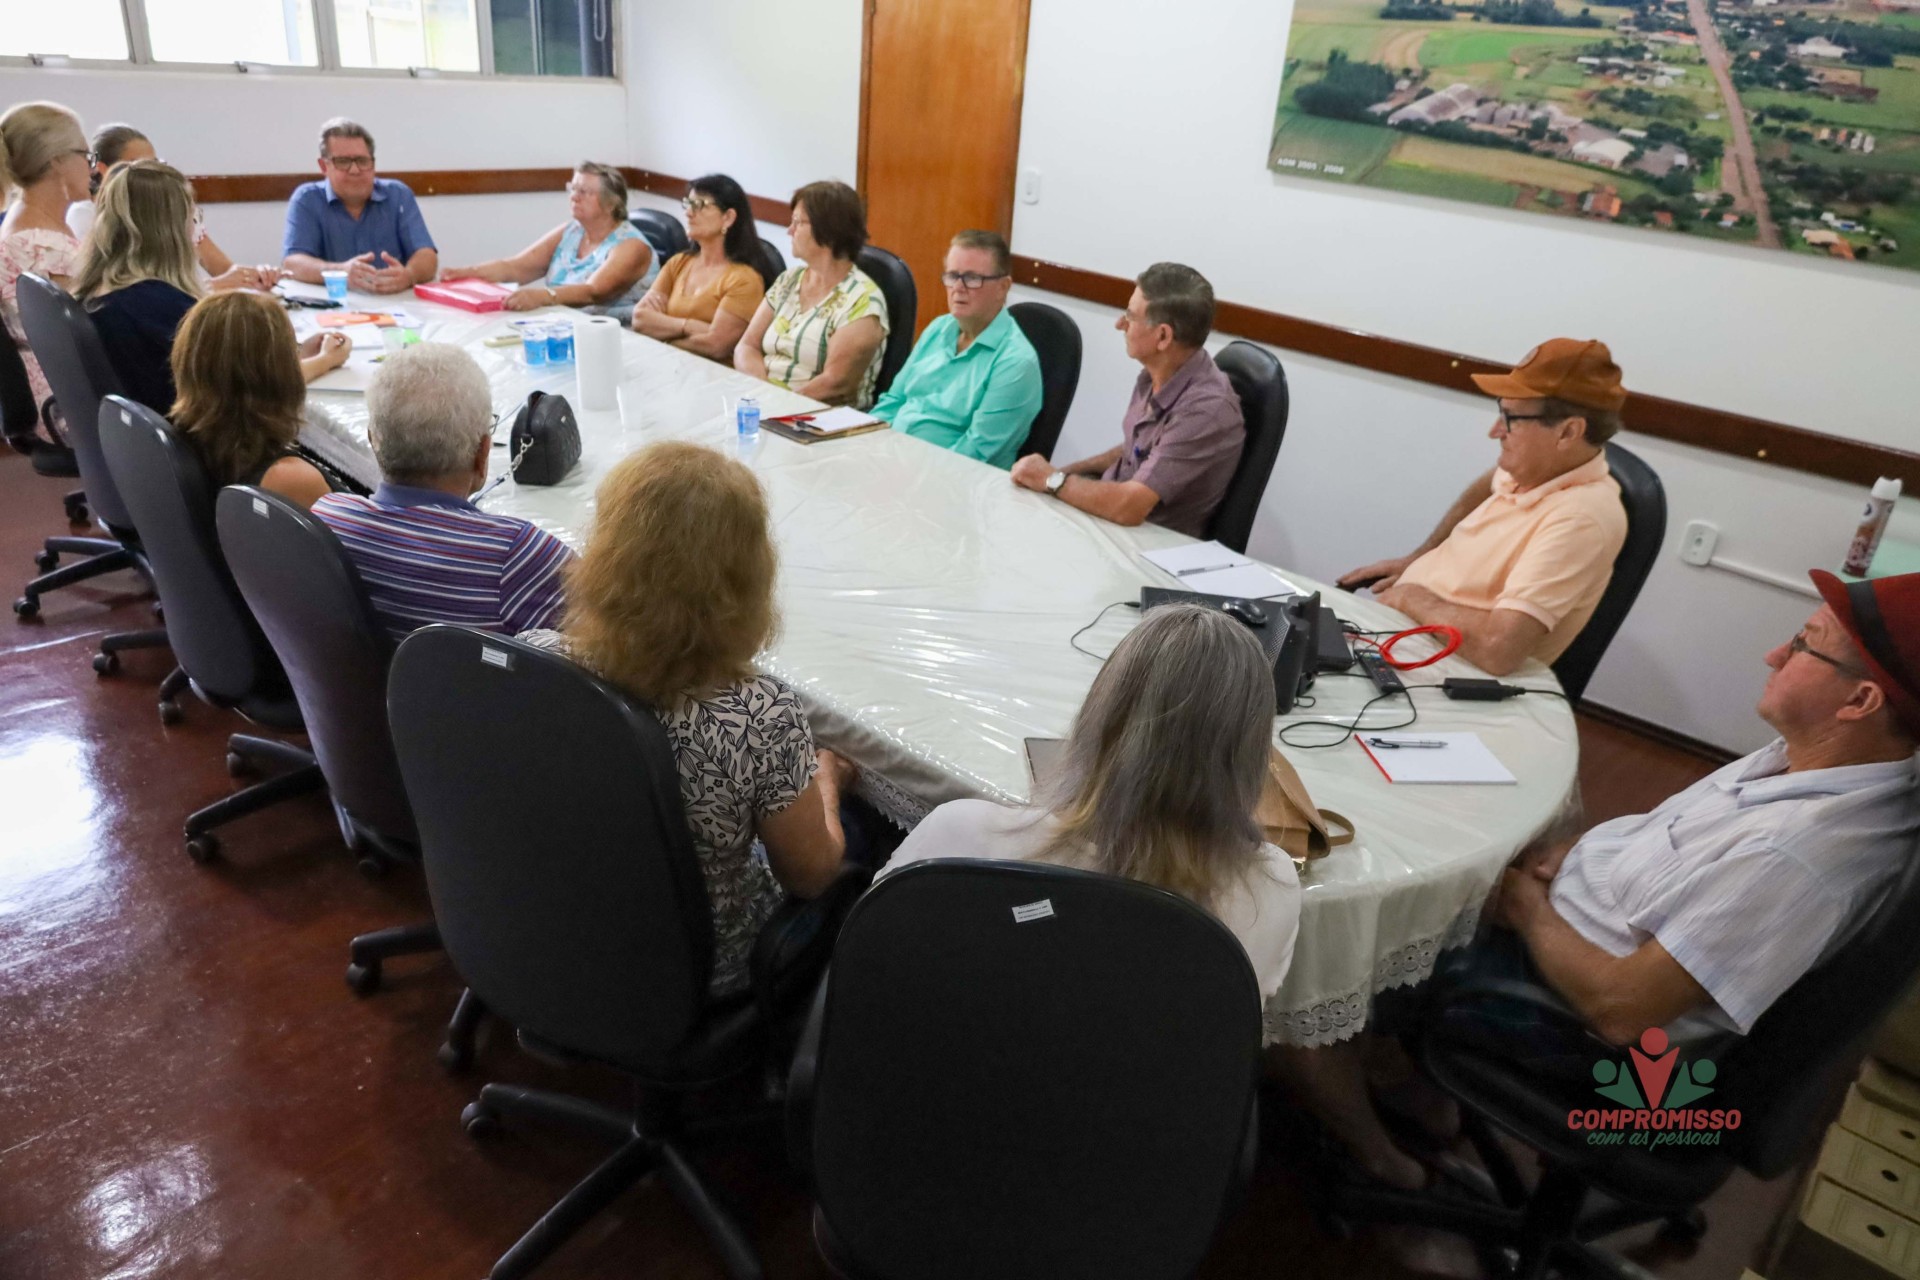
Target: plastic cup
{"points": [[533, 343], [336, 284], [560, 342], [393, 337]]}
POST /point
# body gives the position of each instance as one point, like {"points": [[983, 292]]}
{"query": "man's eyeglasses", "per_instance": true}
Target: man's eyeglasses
{"points": [[351, 164], [1508, 419], [1799, 645], [967, 279], [577, 189]]}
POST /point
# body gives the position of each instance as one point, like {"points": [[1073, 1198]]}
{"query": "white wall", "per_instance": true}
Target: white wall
{"points": [[1175, 168], [765, 90]]}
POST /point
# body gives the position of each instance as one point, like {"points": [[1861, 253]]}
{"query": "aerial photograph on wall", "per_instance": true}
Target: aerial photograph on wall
{"points": [[1790, 124]]}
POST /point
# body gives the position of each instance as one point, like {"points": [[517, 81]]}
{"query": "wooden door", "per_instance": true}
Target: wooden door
{"points": [[939, 127]]}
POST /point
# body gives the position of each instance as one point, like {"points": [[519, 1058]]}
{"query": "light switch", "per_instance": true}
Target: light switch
{"points": [[1030, 186]]}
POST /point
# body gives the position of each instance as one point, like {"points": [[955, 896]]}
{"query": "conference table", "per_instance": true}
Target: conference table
{"points": [[928, 612]]}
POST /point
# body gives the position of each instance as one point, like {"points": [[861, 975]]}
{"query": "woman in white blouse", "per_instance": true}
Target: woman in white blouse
{"points": [[1159, 782]]}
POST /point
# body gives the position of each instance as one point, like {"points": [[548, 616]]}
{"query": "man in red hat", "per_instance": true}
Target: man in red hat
{"points": [[1696, 917], [1519, 562]]}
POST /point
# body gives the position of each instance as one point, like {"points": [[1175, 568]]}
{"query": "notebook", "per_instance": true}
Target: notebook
{"points": [[1461, 759], [825, 424], [1211, 569]]}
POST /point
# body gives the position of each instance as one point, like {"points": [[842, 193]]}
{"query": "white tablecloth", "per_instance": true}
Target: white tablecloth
{"points": [[927, 605]]}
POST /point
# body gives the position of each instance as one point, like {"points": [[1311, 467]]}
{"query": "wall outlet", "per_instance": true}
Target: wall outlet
{"points": [[1697, 547], [1029, 186]]}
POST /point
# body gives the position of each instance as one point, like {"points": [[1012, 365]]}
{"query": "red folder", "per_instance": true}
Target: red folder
{"points": [[467, 295]]}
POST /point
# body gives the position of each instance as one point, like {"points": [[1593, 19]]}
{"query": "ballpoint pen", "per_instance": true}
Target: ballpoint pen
{"points": [[1204, 568], [1395, 746]]}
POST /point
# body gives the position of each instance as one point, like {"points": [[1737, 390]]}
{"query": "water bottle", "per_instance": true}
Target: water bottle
{"points": [[747, 419]]}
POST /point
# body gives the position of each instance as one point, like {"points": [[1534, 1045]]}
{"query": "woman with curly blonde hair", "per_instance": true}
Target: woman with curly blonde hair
{"points": [[670, 602]]}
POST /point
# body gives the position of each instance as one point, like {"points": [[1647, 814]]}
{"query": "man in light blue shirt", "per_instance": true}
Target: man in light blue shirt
{"points": [[352, 221], [972, 384]]}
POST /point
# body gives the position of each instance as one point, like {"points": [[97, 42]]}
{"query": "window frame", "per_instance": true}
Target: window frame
{"points": [[139, 57]]}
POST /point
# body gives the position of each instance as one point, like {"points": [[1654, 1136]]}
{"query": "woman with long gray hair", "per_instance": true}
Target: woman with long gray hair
{"points": [[1159, 783]]}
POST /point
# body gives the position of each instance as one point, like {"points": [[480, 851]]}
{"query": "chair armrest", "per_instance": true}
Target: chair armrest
{"points": [[800, 1084], [793, 947], [1535, 996]]}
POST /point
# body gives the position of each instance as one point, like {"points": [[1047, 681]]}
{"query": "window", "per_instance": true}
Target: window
{"points": [[553, 37], [233, 31], [73, 28], [397, 34], [498, 37]]}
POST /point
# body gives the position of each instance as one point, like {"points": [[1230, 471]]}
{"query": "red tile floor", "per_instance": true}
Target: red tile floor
{"points": [[188, 1089]]}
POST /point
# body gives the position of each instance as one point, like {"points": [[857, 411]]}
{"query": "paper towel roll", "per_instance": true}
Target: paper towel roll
{"points": [[596, 353]]}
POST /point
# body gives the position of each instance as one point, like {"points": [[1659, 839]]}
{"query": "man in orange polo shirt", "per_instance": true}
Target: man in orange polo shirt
{"points": [[1519, 562]]}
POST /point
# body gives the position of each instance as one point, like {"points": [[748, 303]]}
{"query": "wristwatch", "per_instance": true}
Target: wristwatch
{"points": [[1054, 482]]}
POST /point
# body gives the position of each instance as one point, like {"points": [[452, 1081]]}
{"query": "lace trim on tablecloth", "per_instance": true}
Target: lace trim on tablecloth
{"points": [[1344, 1016], [900, 808]]}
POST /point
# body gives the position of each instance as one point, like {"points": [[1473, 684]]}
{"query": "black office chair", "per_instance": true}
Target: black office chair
{"points": [[1056, 340], [68, 348], [1645, 499], [227, 660], [572, 903], [1018, 1070], [1783, 1078], [772, 262], [662, 230], [1261, 384], [309, 600], [19, 415], [903, 305]]}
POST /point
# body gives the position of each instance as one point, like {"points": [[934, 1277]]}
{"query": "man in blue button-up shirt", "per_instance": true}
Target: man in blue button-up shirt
{"points": [[350, 220]]}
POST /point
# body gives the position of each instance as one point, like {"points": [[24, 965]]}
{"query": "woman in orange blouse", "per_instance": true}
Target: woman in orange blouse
{"points": [[704, 297]]}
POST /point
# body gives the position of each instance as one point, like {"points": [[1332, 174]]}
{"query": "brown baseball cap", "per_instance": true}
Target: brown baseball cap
{"points": [[1565, 369]]}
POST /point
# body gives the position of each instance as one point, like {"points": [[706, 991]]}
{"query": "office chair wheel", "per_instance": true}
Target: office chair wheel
{"points": [[106, 664], [454, 1060], [1684, 1228], [77, 512], [27, 606], [170, 712], [238, 766], [363, 979], [46, 561], [203, 849], [371, 866], [479, 1122]]}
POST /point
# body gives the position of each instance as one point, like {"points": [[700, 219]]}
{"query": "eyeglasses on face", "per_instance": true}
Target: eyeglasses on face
{"points": [[90, 158], [582, 189], [1508, 419], [694, 204], [967, 279], [1799, 645], [351, 164]]}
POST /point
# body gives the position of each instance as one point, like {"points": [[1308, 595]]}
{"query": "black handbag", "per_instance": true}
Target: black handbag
{"points": [[545, 442]]}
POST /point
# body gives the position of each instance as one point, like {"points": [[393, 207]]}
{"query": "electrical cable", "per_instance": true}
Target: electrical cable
{"points": [[1074, 639], [1353, 726]]}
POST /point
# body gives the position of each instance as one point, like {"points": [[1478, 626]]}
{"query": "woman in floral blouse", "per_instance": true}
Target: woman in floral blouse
{"points": [[676, 623], [824, 324]]}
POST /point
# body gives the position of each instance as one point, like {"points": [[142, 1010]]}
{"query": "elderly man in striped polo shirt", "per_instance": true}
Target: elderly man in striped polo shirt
{"points": [[425, 552]]}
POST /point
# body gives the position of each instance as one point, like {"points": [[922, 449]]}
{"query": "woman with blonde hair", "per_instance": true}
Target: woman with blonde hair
{"points": [[594, 259], [1159, 782], [43, 169], [675, 622], [241, 397], [137, 279], [122, 143]]}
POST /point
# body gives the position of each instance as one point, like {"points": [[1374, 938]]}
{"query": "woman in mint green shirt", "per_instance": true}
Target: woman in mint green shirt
{"points": [[823, 325], [972, 384]]}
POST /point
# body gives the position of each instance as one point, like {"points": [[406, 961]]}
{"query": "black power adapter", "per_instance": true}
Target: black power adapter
{"points": [[1474, 690]]}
